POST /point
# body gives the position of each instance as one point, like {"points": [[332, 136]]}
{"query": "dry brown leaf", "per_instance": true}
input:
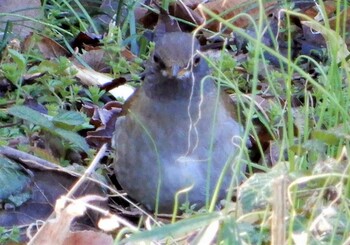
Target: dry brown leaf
{"points": [[179, 9], [128, 55], [88, 237], [95, 59], [104, 121], [232, 8], [334, 18], [185, 12], [333, 23], [342, 15], [272, 154], [330, 7], [192, 3], [86, 40], [334, 41], [57, 230], [48, 47]]}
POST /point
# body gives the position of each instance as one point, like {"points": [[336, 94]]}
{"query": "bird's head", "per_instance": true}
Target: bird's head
{"points": [[175, 55], [176, 69]]}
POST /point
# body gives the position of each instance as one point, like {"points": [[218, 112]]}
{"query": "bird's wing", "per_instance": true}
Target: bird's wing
{"points": [[118, 127]]}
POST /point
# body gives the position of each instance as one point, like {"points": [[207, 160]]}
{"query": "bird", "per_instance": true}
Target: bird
{"points": [[177, 135]]}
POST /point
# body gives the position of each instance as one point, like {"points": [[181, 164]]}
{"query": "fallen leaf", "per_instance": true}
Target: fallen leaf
{"points": [[90, 77], [57, 231], [48, 47], [88, 237], [227, 9], [335, 43]]}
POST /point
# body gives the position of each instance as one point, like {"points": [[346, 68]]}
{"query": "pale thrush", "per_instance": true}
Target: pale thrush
{"points": [[178, 131]]}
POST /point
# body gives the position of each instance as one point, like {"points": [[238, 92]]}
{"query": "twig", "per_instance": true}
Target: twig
{"points": [[27, 159], [279, 200]]}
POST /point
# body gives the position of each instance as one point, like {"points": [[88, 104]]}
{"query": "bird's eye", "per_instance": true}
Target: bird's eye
{"points": [[196, 60], [158, 60]]}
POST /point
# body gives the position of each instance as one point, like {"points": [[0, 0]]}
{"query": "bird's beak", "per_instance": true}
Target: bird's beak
{"points": [[174, 72]]}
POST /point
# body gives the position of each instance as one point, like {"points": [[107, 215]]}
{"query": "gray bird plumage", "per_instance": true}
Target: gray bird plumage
{"points": [[177, 132]]}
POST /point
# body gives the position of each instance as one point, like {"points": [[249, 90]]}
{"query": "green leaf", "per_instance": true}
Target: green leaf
{"points": [[73, 138], [14, 70], [177, 229], [255, 193], [19, 60], [70, 118], [20, 198], [32, 116], [252, 234], [12, 179], [229, 232], [9, 236], [10, 72], [325, 136], [312, 145], [37, 118]]}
